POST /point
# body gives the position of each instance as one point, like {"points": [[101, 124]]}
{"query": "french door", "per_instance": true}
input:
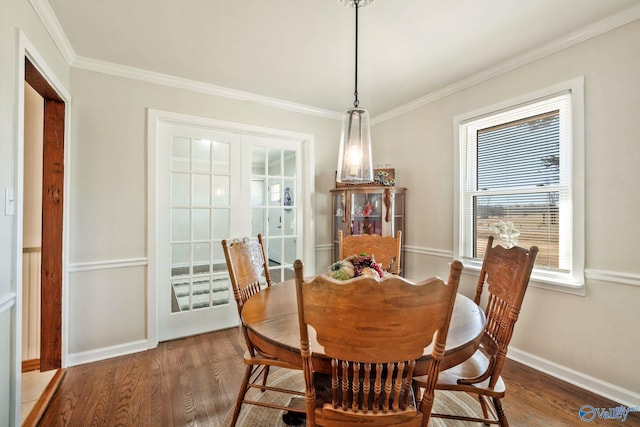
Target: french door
{"points": [[212, 185]]}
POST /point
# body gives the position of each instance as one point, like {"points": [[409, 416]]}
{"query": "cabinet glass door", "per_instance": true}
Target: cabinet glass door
{"points": [[366, 209]]}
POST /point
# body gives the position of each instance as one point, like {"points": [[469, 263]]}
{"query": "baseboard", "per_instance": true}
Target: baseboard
{"points": [[30, 365], [74, 359], [37, 411], [610, 391]]}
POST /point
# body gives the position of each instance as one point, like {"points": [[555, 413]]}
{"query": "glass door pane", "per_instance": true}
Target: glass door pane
{"points": [[273, 206], [199, 221], [214, 184]]}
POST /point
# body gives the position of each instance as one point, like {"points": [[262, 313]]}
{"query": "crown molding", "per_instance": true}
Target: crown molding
{"points": [[608, 24], [196, 86], [52, 25]]}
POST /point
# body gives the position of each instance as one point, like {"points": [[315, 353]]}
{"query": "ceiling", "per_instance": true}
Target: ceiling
{"points": [[302, 51]]}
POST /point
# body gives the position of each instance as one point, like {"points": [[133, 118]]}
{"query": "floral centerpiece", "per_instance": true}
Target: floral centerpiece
{"points": [[506, 232], [354, 266]]}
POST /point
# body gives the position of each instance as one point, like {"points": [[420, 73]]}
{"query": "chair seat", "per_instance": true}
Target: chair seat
{"points": [[473, 367], [264, 359]]}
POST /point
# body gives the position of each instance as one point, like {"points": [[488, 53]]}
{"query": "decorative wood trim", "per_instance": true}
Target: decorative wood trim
{"points": [[7, 301], [109, 352], [613, 277], [54, 28], [51, 23], [611, 391], [41, 405], [611, 23], [30, 365], [621, 278], [196, 86], [52, 227], [440, 253], [107, 265]]}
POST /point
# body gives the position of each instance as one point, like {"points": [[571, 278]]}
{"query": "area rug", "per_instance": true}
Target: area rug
{"points": [[257, 416]]}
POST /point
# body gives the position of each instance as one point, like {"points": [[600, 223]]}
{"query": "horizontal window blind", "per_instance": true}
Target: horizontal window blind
{"points": [[525, 153], [518, 171]]}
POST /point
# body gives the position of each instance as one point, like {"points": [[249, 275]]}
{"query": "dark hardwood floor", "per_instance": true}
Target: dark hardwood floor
{"points": [[194, 381]]}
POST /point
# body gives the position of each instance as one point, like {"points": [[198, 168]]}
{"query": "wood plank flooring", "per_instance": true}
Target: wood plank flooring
{"points": [[194, 381]]}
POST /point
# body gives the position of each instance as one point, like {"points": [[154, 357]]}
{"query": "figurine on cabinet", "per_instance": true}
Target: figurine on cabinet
{"points": [[368, 208]]}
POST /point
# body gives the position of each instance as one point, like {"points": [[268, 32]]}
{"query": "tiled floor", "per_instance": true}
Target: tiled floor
{"points": [[33, 384]]}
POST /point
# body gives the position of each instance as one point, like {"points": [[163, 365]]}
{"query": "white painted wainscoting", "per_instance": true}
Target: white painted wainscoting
{"points": [[31, 298], [107, 303]]}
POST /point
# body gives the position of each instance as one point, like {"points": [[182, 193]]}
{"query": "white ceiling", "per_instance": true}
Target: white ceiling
{"points": [[302, 51]]}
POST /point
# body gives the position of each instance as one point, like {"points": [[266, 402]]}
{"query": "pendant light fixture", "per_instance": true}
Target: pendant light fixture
{"points": [[355, 164]]}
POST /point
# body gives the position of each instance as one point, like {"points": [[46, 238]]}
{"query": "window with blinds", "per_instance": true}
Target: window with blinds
{"points": [[517, 181]]}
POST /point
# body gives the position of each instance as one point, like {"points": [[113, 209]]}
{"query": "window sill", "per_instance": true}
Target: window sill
{"points": [[539, 279]]}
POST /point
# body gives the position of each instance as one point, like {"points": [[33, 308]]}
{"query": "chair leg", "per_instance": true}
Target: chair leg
{"points": [[241, 393], [501, 416], [264, 378], [485, 410], [416, 392]]}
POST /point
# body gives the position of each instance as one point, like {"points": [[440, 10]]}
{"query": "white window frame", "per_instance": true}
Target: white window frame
{"points": [[571, 278]]}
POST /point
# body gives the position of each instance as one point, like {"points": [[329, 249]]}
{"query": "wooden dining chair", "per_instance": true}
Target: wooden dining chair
{"points": [[505, 273], [385, 249], [249, 274], [373, 331]]}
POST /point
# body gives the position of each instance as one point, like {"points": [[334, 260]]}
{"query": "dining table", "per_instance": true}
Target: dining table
{"points": [[271, 321]]}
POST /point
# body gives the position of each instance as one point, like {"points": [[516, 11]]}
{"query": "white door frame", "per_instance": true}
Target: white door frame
{"points": [[157, 117], [26, 49]]}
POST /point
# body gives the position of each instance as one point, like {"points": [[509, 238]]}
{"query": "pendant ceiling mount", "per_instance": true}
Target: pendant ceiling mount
{"points": [[352, 3]]}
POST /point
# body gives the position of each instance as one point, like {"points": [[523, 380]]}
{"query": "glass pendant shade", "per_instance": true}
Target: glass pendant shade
{"points": [[355, 164]]}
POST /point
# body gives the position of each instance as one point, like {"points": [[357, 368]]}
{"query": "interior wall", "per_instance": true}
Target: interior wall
{"points": [[109, 201], [590, 334]]}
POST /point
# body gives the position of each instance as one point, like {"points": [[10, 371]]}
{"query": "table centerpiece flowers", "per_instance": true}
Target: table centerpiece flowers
{"points": [[355, 266]]}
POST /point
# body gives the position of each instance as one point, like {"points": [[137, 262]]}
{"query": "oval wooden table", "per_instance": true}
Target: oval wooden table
{"points": [[271, 317]]}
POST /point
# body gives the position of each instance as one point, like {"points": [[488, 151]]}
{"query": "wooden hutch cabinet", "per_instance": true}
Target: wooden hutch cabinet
{"points": [[367, 210]]}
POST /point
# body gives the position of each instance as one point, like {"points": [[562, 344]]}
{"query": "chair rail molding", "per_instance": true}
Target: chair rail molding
{"points": [[108, 264], [8, 301], [614, 277], [420, 250], [632, 279]]}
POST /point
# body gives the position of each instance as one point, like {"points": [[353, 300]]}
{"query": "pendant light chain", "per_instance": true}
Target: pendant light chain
{"points": [[355, 93]]}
